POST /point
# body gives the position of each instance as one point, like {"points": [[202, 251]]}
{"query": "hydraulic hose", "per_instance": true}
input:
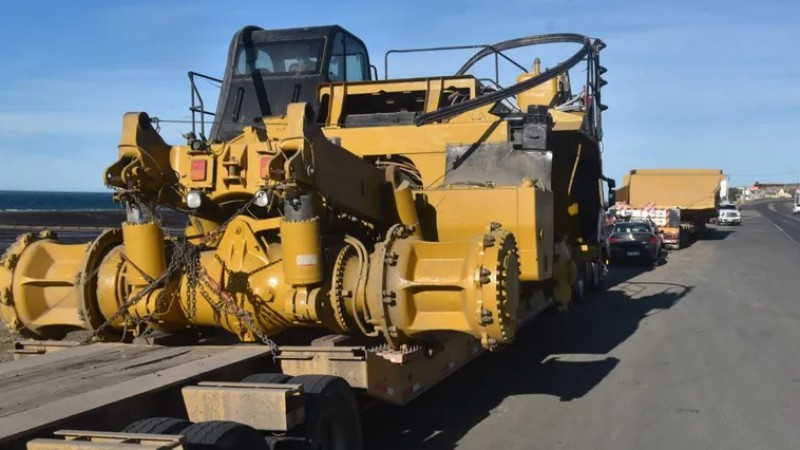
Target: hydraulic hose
{"points": [[493, 97]]}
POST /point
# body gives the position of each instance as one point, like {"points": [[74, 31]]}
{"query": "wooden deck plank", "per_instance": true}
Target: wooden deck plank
{"points": [[33, 387], [95, 386]]}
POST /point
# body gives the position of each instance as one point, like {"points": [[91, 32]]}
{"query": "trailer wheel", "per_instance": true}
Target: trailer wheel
{"points": [[275, 378], [579, 288], [222, 435], [333, 420], [157, 425]]}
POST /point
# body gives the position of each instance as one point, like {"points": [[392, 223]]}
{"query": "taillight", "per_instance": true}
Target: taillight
{"points": [[612, 240], [653, 240], [198, 170], [265, 160]]}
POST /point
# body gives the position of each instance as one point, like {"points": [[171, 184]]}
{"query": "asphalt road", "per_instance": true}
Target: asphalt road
{"points": [[702, 352]]}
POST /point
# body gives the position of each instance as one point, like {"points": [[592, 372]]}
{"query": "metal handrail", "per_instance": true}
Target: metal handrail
{"points": [[198, 107]]}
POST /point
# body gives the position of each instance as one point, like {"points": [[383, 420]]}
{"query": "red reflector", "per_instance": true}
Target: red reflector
{"points": [[265, 160], [198, 170]]}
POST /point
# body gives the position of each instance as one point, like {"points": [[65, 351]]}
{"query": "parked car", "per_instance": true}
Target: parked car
{"points": [[729, 217], [796, 208], [638, 241]]}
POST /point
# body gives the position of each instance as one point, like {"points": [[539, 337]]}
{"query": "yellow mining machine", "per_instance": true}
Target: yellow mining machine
{"points": [[399, 214]]}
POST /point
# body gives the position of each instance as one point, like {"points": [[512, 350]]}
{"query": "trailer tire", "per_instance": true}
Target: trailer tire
{"points": [[222, 435], [274, 378], [598, 280], [333, 420], [157, 425], [579, 288]]}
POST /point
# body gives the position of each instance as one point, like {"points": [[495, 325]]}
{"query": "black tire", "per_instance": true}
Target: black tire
{"points": [[275, 378], [157, 425], [598, 280], [579, 289], [333, 420], [222, 435]]}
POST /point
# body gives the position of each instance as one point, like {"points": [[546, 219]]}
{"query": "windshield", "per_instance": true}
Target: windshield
{"points": [[729, 214], [281, 57], [727, 207], [631, 228]]}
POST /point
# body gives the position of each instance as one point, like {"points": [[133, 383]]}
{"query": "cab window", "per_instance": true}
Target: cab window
{"points": [[281, 58], [348, 60]]}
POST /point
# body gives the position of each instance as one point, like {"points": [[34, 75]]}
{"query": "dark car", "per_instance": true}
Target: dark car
{"points": [[635, 241]]}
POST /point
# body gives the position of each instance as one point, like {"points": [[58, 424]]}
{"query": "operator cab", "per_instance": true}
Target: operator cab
{"points": [[268, 69]]}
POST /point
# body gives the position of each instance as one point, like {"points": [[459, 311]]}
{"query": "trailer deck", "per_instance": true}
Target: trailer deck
{"points": [[71, 387]]}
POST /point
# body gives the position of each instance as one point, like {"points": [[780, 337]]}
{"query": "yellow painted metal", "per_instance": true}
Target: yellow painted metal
{"points": [[471, 286], [543, 94], [145, 252], [41, 289], [271, 269], [145, 259], [406, 209], [302, 252], [526, 211], [688, 189], [112, 287], [263, 406], [48, 288]]}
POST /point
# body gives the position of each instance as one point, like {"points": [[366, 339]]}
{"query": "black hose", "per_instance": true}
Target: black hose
{"points": [[453, 110]]}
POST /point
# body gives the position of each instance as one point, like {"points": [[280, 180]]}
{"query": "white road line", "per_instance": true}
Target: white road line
{"points": [[785, 233]]}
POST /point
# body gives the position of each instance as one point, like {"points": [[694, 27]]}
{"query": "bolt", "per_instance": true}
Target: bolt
{"points": [[486, 316], [26, 238], [391, 259], [47, 234], [485, 272], [392, 330], [488, 240], [389, 298], [495, 225]]}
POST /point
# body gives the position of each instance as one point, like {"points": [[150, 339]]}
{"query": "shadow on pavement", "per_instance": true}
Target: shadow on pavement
{"points": [[559, 355], [622, 271], [716, 234]]}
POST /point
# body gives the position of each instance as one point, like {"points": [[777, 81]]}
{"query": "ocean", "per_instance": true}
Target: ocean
{"points": [[56, 201]]}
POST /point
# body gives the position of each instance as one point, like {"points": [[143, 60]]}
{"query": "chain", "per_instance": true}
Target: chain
{"points": [[238, 311], [229, 306], [186, 259]]}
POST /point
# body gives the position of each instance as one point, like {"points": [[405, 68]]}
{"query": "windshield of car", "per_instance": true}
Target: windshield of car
{"points": [[631, 227], [730, 213], [727, 207], [281, 57]]}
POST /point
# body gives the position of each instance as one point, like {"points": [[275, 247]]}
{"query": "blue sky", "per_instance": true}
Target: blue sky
{"points": [[691, 83]]}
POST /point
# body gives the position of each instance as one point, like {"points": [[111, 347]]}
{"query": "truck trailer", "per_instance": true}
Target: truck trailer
{"points": [[679, 201], [348, 238]]}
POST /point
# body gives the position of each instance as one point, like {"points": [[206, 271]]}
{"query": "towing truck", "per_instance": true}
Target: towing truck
{"points": [[348, 238]]}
